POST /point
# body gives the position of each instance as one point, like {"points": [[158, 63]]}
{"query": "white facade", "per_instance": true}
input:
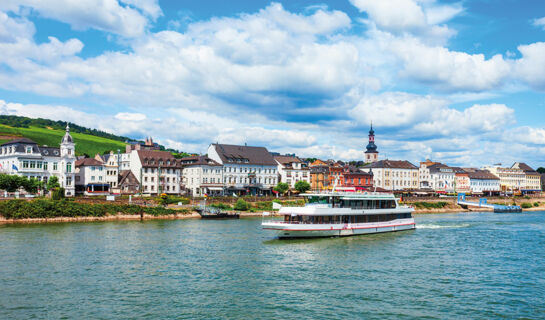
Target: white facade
{"points": [[442, 179], [25, 158], [242, 173], [393, 175], [292, 171], [201, 179], [157, 171], [484, 185]]}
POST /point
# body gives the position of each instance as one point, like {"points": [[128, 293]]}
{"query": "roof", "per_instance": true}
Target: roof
{"points": [[392, 164], [287, 159], [524, 167], [126, 176], [153, 158], [50, 151], [243, 154], [19, 140], [482, 175], [198, 160], [88, 162]]}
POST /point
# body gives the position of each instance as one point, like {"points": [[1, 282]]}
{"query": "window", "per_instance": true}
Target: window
{"points": [[99, 178], [25, 164], [55, 166], [32, 164], [68, 181], [29, 149], [39, 164], [92, 178], [69, 167], [45, 165]]}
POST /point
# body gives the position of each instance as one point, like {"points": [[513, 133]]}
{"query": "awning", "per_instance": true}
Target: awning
{"points": [[215, 188], [236, 188]]}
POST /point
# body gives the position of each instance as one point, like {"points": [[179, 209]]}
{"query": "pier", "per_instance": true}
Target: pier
{"points": [[484, 204]]}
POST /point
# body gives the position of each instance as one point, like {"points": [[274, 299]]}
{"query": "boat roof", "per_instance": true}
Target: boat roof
{"points": [[352, 195]]}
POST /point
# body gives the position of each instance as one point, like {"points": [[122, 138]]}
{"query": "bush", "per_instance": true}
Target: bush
{"points": [[221, 206], [430, 205], [536, 204], [526, 205], [21, 209], [57, 194], [241, 205]]}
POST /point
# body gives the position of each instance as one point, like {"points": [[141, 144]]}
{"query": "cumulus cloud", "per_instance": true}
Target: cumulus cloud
{"points": [[127, 18], [427, 116], [411, 17], [530, 68], [450, 70]]}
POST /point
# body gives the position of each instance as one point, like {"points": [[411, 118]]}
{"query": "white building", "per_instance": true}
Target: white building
{"points": [[25, 158], [91, 177], [393, 174], [157, 171], [202, 175], [442, 178], [292, 169], [483, 182], [245, 169], [112, 168]]}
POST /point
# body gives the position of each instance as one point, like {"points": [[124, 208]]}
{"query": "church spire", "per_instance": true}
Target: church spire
{"points": [[371, 153]]}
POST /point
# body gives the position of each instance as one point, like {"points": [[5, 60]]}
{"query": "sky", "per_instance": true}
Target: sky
{"points": [[460, 82]]}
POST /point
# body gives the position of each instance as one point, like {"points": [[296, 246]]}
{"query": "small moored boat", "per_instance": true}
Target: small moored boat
{"points": [[215, 213]]}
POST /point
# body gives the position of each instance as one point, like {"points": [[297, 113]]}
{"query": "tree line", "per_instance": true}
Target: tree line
{"points": [[13, 183]]}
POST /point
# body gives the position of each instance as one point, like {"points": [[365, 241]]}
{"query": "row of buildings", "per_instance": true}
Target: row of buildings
{"points": [[233, 169]]}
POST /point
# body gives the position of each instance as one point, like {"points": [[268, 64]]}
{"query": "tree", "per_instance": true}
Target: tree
{"points": [[302, 186], [541, 170], [11, 183], [282, 187], [31, 185], [53, 183]]}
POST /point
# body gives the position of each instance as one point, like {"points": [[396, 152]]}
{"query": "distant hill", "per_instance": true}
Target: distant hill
{"points": [[49, 132]]}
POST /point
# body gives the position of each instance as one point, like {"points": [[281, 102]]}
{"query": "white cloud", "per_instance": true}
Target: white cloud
{"points": [[531, 67], [421, 18], [427, 116], [450, 70], [129, 20], [395, 109], [12, 29], [539, 22], [130, 116]]}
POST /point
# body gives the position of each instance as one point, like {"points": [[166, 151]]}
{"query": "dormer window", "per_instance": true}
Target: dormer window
{"points": [[28, 149]]}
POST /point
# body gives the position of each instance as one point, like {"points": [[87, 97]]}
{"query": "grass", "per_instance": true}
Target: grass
{"points": [[85, 143]]}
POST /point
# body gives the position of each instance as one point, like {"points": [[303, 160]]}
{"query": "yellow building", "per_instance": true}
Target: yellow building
{"points": [[511, 179], [532, 178]]}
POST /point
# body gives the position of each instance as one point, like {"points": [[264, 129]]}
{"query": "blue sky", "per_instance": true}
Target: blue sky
{"points": [[456, 81]]}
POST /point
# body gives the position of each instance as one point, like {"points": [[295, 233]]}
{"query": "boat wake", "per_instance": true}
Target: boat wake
{"points": [[436, 226]]}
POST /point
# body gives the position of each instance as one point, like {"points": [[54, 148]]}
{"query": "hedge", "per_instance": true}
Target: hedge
{"points": [[22, 209], [430, 205]]}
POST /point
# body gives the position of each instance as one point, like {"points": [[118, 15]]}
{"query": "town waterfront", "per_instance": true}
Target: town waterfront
{"points": [[465, 265]]}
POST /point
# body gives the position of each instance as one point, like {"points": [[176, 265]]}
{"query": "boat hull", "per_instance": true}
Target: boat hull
{"points": [[287, 231]]}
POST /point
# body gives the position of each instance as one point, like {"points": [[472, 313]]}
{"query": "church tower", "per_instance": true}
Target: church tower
{"points": [[371, 154]]}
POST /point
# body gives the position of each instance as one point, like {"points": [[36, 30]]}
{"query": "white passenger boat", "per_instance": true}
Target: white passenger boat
{"points": [[338, 214]]}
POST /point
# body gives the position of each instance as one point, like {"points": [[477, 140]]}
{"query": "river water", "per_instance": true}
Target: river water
{"points": [[469, 265]]}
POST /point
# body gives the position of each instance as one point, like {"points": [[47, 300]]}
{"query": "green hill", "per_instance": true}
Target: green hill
{"points": [[85, 143]]}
